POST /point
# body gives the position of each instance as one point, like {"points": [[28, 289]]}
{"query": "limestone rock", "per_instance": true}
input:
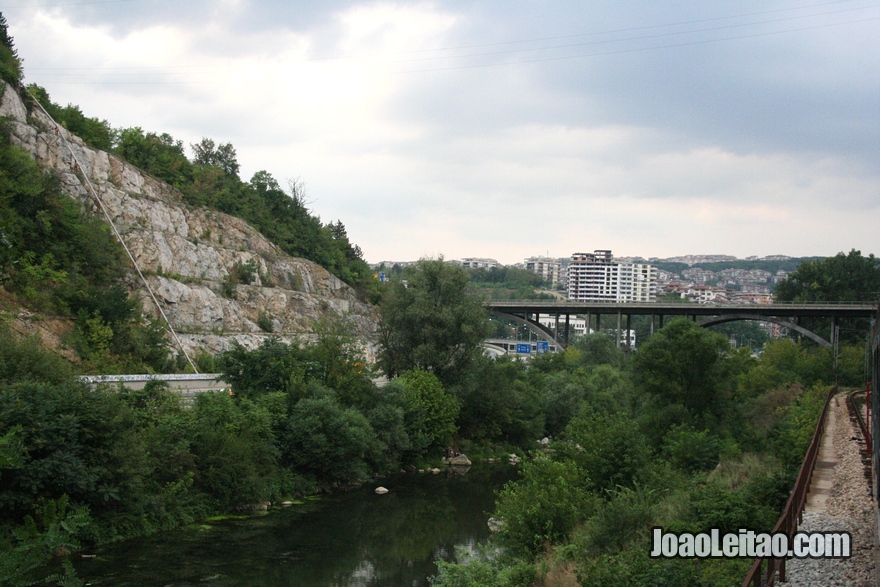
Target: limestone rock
{"points": [[186, 253]]}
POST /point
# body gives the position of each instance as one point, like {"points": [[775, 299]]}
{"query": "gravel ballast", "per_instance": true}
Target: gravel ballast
{"points": [[848, 509]]}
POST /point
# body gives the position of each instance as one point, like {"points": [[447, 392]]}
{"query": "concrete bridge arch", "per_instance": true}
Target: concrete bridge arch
{"points": [[548, 334], [790, 325], [539, 329]]}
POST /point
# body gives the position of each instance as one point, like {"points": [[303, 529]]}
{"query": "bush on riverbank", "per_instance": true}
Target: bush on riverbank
{"points": [[664, 448], [623, 460]]}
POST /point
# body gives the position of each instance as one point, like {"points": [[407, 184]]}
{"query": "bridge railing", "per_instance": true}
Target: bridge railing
{"points": [[766, 571]]}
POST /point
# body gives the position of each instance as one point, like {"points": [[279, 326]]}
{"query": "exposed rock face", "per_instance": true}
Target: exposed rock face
{"points": [[186, 253]]}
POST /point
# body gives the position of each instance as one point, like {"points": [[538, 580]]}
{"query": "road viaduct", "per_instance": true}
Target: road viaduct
{"points": [[786, 314]]}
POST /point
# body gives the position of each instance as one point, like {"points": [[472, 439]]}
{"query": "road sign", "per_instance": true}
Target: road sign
{"points": [[523, 348], [543, 346]]}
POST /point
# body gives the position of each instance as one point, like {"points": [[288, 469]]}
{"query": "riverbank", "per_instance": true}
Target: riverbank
{"points": [[386, 540]]}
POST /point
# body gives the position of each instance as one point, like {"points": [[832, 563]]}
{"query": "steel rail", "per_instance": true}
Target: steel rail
{"points": [[767, 570]]}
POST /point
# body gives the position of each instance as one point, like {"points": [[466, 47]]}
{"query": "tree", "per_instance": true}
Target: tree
{"points": [[849, 277], [498, 403], [598, 349], [842, 278], [439, 409], [222, 156], [10, 64], [329, 441], [274, 366], [684, 364], [429, 321], [160, 155]]}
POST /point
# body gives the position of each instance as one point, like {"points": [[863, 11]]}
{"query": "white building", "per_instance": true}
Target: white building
{"points": [[479, 263], [577, 326], [546, 267], [595, 277]]}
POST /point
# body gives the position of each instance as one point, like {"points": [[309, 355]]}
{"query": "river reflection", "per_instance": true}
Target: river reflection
{"points": [[350, 540]]}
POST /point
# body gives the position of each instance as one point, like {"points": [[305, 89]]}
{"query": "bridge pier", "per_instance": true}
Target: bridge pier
{"points": [[618, 329], [833, 328], [628, 341]]}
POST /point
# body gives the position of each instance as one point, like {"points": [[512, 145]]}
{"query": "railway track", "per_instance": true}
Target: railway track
{"points": [[856, 415]]}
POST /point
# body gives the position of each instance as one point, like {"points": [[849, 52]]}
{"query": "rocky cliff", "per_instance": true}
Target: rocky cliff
{"points": [[188, 253]]}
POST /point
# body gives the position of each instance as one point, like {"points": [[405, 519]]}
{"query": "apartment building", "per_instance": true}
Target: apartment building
{"points": [[546, 267], [479, 263], [596, 277]]}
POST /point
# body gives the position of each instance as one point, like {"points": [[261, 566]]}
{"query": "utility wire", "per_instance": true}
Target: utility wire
{"points": [[634, 50], [95, 195], [63, 71], [624, 30], [68, 4], [645, 37]]}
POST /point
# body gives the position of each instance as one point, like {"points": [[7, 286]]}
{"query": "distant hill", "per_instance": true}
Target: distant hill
{"points": [[788, 264]]}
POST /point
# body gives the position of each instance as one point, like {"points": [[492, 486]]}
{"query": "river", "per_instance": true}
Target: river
{"points": [[352, 539]]}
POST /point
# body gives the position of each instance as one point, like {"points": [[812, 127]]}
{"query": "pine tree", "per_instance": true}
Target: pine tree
{"points": [[10, 64]]}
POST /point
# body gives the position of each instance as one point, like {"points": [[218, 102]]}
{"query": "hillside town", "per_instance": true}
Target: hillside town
{"points": [[599, 276]]}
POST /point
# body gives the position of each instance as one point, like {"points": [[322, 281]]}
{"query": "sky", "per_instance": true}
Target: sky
{"points": [[506, 129]]}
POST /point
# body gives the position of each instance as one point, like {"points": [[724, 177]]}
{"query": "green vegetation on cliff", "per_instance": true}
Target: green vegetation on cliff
{"points": [[210, 179], [59, 260]]}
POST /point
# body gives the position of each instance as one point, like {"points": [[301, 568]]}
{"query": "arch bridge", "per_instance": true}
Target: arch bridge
{"points": [[785, 314]]}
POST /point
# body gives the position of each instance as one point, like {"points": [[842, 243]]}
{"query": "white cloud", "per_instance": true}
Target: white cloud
{"points": [[504, 161]]}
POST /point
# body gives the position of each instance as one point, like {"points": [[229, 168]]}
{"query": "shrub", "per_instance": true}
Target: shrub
{"points": [[608, 447], [264, 321], [439, 409], [544, 506], [691, 450], [330, 442]]}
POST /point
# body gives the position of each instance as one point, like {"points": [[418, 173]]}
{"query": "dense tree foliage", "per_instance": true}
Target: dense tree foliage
{"points": [[688, 435], [57, 258], [438, 409], [10, 64], [631, 448], [508, 283], [430, 322], [844, 277], [684, 364], [95, 133]]}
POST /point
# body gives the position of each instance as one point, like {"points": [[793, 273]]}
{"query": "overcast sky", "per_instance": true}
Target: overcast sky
{"points": [[507, 129]]}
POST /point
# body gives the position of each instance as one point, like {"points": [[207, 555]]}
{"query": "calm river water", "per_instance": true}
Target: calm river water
{"points": [[348, 540]]}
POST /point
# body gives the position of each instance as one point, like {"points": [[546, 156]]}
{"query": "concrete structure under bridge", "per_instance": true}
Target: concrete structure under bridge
{"points": [[785, 314], [187, 385]]}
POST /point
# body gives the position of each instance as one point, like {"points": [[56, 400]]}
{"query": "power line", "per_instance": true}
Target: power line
{"points": [[639, 38], [68, 4], [163, 70], [608, 32], [638, 49]]}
